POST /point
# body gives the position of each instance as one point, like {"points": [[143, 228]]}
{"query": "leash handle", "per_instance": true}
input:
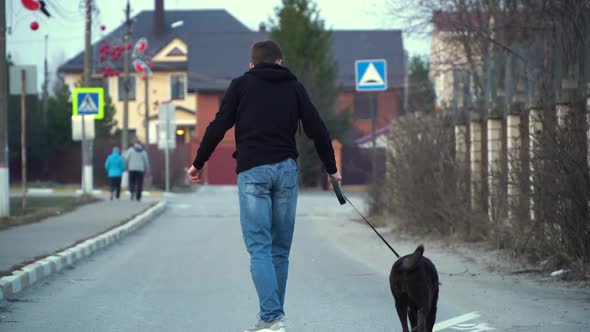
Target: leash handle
{"points": [[338, 190]]}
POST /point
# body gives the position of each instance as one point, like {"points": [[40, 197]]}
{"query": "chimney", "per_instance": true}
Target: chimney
{"points": [[262, 27], [159, 18]]}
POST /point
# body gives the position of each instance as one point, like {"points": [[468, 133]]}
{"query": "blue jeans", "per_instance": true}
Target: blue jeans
{"points": [[268, 200]]}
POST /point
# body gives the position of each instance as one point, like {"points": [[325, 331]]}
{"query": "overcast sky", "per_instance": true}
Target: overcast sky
{"points": [[66, 28]]}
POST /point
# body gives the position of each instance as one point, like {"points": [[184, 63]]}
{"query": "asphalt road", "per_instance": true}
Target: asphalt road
{"points": [[188, 271]]}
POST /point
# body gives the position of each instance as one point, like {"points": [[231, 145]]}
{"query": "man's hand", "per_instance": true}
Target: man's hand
{"points": [[337, 176], [194, 174]]}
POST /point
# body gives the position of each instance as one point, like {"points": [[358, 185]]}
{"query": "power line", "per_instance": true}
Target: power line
{"points": [[40, 39]]}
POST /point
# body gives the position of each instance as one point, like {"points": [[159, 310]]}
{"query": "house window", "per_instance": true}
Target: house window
{"points": [[131, 87], [362, 106], [177, 86]]}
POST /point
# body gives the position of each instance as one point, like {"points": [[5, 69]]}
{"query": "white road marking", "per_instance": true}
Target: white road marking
{"points": [[473, 327], [456, 323], [181, 206]]}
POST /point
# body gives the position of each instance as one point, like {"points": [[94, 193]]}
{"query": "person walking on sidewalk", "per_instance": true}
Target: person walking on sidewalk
{"points": [[138, 164], [266, 104], [115, 166]]}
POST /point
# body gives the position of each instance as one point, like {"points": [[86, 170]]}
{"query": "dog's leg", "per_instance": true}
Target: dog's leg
{"points": [[431, 319], [402, 312], [413, 315], [421, 320]]}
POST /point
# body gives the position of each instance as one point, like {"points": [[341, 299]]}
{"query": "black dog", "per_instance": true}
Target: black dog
{"points": [[414, 285]]}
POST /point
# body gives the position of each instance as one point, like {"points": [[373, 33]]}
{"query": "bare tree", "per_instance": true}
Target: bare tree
{"points": [[503, 57]]}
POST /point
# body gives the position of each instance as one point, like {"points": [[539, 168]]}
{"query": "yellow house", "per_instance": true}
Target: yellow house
{"points": [[177, 74], [162, 86]]}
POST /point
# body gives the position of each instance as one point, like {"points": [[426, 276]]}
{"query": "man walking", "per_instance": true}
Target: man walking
{"points": [[266, 105], [137, 164], [115, 165]]}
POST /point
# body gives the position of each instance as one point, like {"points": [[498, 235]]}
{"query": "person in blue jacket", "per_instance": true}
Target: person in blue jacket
{"points": [[115, 165]]}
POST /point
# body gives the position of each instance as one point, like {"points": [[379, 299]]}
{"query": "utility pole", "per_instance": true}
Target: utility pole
{"points": [[86, 165], [125, 135], [45, 100], [373, 107], [4, 174], [23, 137], [147, 109]]}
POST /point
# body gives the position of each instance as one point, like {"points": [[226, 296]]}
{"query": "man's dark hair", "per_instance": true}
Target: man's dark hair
{"points": [[266, 52]]}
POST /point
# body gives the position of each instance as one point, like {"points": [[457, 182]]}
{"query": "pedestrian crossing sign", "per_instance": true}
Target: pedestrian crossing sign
{"points": [[88, 101], [370, 75]]}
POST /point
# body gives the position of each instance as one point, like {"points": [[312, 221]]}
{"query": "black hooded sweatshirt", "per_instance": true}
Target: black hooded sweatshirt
{"points": [[266, 105]]}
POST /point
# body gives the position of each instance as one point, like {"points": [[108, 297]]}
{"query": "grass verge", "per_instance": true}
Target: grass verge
{"points": [[40, 208]]}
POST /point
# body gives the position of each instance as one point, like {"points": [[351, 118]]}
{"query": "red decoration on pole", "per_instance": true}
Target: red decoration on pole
{"points": [[102, 27], [142, 46], [35, 5], [31, 4], [34, 25], [139, 66]]}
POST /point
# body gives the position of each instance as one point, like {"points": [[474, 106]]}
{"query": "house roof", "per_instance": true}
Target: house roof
{"points": [[219, 47], [201, 21], [216, 58]]}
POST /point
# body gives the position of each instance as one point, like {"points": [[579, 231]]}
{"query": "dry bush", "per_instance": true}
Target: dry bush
{"points": [[560, 190], [425, 188]]}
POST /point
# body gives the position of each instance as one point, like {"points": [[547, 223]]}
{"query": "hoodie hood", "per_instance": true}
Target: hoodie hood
{"points": [[271, 72], [138, 148]]}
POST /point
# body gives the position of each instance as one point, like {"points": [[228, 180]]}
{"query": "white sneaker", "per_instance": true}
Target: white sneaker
{"points": [[276, 325]]}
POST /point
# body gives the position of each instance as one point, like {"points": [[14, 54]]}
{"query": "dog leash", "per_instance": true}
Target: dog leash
{"points": [[343, 199]]}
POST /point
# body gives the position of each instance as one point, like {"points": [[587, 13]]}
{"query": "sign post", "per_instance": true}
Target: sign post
{"points": [[371, 76], [166, 137], [23, 137], [23, 81], [87, 102]]}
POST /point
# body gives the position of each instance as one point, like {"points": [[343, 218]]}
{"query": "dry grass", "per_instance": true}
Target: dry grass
{"points": [[40, 208]]}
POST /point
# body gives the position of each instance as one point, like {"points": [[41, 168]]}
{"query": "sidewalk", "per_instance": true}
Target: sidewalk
{"points": [[25, 243], [16, 191]]}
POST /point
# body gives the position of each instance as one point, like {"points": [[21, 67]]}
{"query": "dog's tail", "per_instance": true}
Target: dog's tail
{"points": [[411, 260]]}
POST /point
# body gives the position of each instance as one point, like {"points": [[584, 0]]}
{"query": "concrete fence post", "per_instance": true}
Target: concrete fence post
{"points": [[535, 129], [460, 143], [563, 112], [475, 165], [494, 147], [588, 127], [514, 145]]}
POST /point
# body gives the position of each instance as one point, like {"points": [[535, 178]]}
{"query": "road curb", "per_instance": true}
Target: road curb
{"points": [[49, 191], [30, 274]]}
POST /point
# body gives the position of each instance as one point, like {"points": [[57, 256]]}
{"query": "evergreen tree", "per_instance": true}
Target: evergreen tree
{"points": [[421, 96], [59, 120], [306, 46], [105, 128]]}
